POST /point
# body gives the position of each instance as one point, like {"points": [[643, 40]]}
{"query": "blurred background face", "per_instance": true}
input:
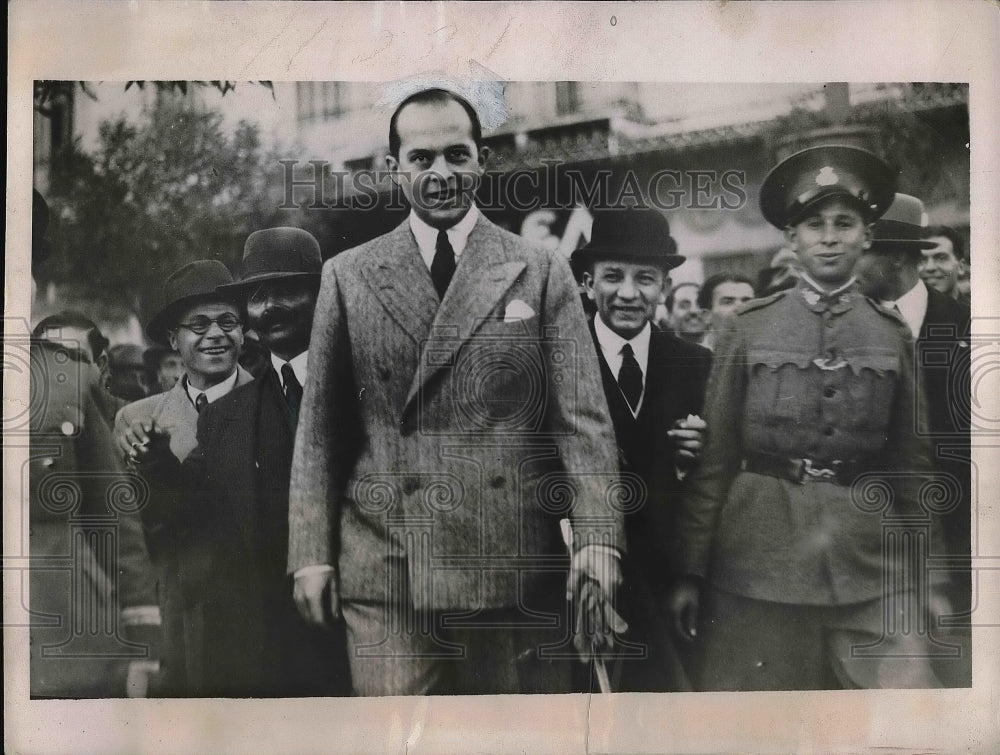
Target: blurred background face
{"points": [[626, 294], [687, 319], [877, 274], [210, 357], [941, 269], [439, 166], [830, 240], [169, 371], [726, 297], [280, 312]]}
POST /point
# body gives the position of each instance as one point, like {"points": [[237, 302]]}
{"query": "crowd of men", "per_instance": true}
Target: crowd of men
{"points": [[447, 474]]}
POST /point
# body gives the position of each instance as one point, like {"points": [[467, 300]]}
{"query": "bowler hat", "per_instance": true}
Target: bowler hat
{"points": [[275, 253], [902, 226], [193, 283], [639, 234], [801, 180]]}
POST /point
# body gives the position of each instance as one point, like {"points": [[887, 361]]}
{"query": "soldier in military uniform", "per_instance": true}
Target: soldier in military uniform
{"points": [[812, 450]]}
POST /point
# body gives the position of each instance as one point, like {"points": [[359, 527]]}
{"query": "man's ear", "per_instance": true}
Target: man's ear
{"points": [[790, 236], [867, 244], [484, 155], [668, 284], [392, 165], [588, 283], [172, 338]]}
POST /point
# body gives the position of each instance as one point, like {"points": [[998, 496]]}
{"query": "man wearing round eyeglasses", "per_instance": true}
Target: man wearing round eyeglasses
{"points": [[205, 328]]}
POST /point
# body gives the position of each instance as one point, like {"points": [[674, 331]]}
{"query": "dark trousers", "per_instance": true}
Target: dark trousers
{"points": [[751, 644]]}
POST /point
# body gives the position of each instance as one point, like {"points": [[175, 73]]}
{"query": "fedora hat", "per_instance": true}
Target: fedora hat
{"points": [[277, 253], [636, 234], [801, 180], [193, 283], [902, 226]]}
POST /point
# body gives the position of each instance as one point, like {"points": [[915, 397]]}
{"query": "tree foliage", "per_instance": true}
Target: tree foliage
{"points": [[172, 188], [47, 90]]}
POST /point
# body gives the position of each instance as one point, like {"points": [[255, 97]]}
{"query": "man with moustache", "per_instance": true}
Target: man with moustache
{"points": [[229, 500], [813, 409], [205, 328], [452, 412], [655, 385], [687, 319]]}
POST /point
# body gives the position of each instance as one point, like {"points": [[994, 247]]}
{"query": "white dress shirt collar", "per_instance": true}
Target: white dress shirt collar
{"points": [[458, 234], [217, 391], [299, 365], [611, 347], [912, 306]]}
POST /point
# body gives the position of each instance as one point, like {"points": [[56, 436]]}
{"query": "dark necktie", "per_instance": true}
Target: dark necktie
{"points": [[293, 393], [200, 402], [443, 266], [630, 377]]}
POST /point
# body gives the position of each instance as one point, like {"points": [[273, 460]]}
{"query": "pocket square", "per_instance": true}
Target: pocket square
{"points": [[517, 310]]}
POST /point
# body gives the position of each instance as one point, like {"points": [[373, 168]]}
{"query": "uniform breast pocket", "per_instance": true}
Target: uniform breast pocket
{"points": [[776, 380], [871, 387]]}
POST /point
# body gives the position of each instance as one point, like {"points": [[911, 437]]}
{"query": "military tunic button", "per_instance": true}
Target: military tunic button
{"points": [[67, 428], [828, 431], [829, 392], [410, 485], [384, 373], [498, 481]]}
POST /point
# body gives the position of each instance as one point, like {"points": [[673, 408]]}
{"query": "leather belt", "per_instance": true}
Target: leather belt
{"points": [[838, 471]]}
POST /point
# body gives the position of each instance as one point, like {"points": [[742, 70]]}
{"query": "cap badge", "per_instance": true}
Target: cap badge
{"points": [[827, 176]]}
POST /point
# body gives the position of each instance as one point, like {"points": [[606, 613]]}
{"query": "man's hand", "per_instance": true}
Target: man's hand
{"points": [[142, 441], [316, 596], [683, 601], [688, 436], [938, 608], [594, 578]]}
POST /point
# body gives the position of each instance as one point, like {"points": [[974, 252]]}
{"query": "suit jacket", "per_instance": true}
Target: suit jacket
{"points": [[441, 443], [676, 375], [173, 412], [945, 359], [228, 508]]}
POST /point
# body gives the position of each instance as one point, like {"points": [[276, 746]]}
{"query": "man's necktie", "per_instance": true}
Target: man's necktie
{"points": [[630, 377], [200, 402], [293, 392], [443, 266]]}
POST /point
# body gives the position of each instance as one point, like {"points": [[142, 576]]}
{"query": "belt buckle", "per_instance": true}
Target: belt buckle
{"points": [[816, 474]]}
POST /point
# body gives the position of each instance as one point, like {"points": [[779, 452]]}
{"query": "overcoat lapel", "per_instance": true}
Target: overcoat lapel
{"points": [[238, 461], [484, 274], [401, 282]]}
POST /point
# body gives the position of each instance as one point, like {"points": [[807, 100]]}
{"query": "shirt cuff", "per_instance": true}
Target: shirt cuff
{"points": [[312, 569]]}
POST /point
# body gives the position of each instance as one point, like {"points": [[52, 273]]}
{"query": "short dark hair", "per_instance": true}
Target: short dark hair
{"points": [[714, 281], [957, 242], [433, 97], [72, 319]]}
